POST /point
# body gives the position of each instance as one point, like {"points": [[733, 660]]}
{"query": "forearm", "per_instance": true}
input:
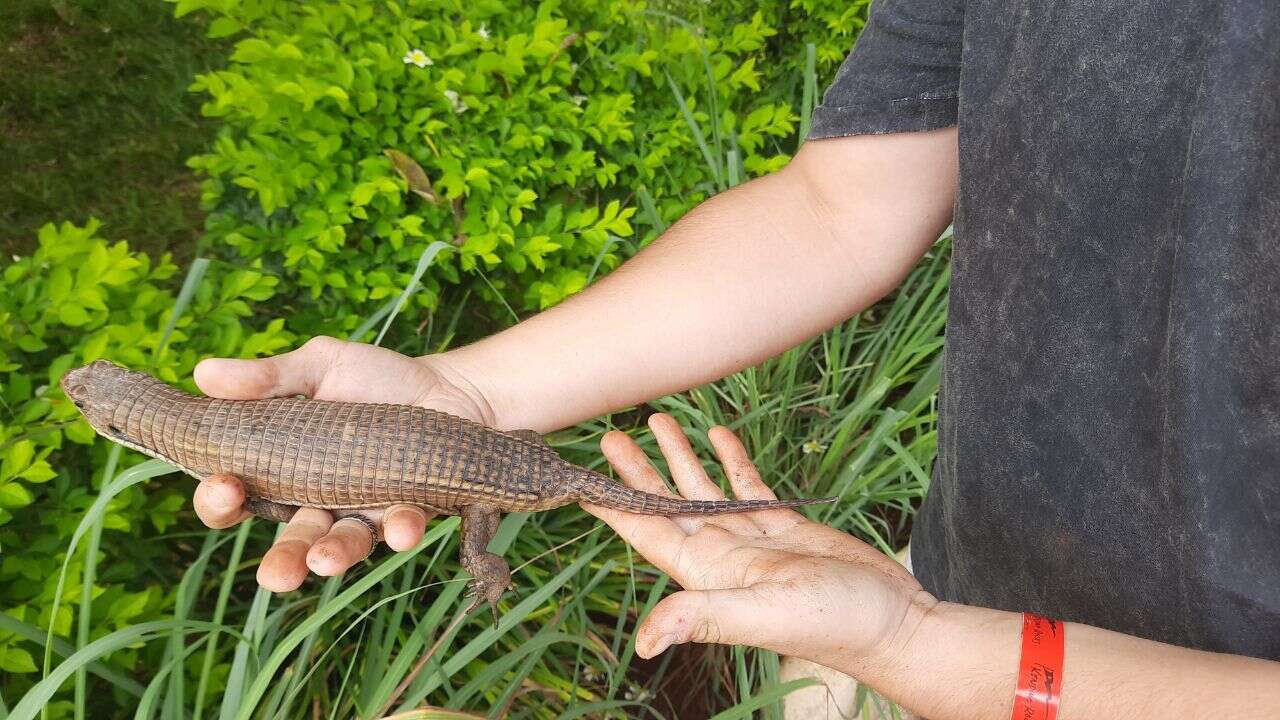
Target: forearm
{"points": [[960, 663], [742, 277]]}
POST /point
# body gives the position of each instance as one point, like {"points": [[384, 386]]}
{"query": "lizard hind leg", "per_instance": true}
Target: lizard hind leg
{"points": [[491, 574], [269, 509]]}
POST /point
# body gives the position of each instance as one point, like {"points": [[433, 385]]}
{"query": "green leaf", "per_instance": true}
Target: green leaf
{"points": [[16, 660], [38, 472], [252, 50], [14, 495], [17, 458], [223, 27], [72, 314], [31, 344]]}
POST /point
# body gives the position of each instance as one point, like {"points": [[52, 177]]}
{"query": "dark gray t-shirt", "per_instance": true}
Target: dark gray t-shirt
{"points": [[1109, 447]]}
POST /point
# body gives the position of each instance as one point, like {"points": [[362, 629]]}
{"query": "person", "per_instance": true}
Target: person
{"points": [[1110, 404]]}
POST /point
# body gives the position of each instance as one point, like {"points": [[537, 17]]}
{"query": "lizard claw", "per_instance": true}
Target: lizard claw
{"points": [[479, 593]]}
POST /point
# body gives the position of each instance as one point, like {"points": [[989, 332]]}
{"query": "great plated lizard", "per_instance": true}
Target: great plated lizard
{"points": [[347, 457]]}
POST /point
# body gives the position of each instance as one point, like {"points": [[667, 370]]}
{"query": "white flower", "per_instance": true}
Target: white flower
{"points": [[813, 446], [417, 57], [483, 31], [458, 106], [578, 99]]}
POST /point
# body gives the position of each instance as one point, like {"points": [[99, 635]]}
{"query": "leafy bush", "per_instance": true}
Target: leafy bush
{"points": [[76, 299], [534, 127]]}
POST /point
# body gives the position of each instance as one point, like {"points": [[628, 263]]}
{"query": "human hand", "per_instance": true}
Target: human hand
{"points": [[772, 579], [329, 369]]}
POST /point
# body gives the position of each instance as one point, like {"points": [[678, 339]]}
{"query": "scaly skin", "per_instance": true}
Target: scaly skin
{"points": [[294, 452]]}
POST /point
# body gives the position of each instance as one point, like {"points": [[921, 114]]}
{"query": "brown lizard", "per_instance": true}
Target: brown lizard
{"points": [[348, 457]]}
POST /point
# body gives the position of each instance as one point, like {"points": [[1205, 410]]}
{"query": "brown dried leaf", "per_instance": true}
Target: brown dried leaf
{"points": [[412, 173]]}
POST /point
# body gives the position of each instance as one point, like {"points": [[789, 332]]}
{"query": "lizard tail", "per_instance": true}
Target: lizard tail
{"points": [[600, 490]]}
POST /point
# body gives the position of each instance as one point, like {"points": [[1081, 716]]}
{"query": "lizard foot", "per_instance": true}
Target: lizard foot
{"points": [[491, 578]]}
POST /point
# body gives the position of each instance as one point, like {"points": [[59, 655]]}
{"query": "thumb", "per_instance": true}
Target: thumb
{"points": [[730, 617], [294, 373]]}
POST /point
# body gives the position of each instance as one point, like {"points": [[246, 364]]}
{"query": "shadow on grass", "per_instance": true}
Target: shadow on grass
{"points": [[95, 119]]}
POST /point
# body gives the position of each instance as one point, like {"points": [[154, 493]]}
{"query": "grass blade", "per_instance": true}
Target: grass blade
{"points": [[195, 274], [650, 210], [219, 611], [712, 160], [87, 577], [372, 321], [609, 242], [183, 601], [765, 698], [322, 614], [147, 704], [509, 620], [128, 478], [424, 261], [61, 647], [246, 650], [38, 697], [810, 92]]}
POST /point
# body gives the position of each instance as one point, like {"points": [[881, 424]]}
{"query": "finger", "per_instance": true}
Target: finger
{"points": [[284, 567], [655, 537], [730, 617], [219, 501], [299, 372], [686, 469], [403, 526], [632, 465], [745, 480], [348, 542], [659, 539]]}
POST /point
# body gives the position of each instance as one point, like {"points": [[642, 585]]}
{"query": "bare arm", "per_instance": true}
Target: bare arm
{"points": [[742, 277], [961, 663]]}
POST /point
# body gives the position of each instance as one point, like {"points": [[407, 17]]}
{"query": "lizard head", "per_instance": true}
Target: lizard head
{"points": [[96, 390]]}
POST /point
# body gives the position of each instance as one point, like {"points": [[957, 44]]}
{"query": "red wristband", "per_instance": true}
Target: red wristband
{"points": [[1040, 672]]}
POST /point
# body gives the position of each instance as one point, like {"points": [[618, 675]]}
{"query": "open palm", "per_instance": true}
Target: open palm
{"points": [[772, 578]]}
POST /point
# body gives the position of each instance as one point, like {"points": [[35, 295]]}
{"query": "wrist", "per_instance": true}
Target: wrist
{"points": [[469, 382], [956, 646], [899, 646]]}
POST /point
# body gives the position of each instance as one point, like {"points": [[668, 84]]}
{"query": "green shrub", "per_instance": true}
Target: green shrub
{"points": [[534, 126], [76, 299]]}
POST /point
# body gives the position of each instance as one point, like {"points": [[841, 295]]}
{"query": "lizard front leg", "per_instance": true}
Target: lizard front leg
{"points": [[492, 575]]}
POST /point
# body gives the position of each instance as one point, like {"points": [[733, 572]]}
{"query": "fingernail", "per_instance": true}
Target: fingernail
{"points": [[403, 511], [661, 644], [223, 493], [323, 560]]}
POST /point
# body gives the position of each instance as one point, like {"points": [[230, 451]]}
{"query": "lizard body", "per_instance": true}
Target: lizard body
{"points": [[347, 457]]}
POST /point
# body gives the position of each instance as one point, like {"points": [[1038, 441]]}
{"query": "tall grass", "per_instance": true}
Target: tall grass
{"points": [[850, 414]]}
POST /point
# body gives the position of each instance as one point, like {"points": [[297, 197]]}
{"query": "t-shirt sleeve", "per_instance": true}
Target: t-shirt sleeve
{"points": [[903, 74]]}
